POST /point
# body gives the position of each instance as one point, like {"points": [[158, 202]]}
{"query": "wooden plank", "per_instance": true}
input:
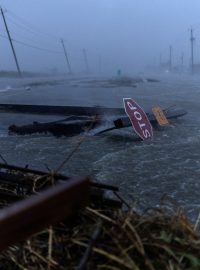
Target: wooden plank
{"points": [[59, 110], [29, 216]]}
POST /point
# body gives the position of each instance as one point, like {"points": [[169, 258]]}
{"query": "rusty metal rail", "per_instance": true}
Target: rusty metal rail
{"points": [[30, 215]]}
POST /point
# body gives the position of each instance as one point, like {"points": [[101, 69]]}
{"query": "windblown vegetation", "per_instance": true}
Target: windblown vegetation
{"points": [[99, 238]]}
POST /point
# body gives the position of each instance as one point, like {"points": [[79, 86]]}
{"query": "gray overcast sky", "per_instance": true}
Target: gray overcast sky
{"points": [[128, 34]]}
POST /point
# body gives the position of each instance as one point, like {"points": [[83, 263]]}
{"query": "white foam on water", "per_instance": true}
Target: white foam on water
{"points": [[10, 88], [6, 89]]}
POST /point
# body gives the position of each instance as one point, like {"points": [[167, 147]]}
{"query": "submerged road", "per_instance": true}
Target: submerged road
{"points": [[145, 171]]}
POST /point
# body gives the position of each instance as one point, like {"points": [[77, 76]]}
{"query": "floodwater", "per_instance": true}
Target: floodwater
{"points": [[169, 164]]}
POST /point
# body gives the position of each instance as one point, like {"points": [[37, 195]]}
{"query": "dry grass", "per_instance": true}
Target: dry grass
{"points": [[110, 239], [105, 238]]}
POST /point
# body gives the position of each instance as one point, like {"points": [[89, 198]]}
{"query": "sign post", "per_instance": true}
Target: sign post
{"points": [[138, 118]]}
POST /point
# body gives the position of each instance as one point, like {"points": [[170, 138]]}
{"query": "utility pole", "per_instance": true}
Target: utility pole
{"points": [[170, 58], [85, 60], [182, 60], [66, 56], [11, 44], [99, 64], [192, 39], [160, 60]]}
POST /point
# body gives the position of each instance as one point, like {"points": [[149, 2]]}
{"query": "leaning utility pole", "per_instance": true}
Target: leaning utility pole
{"points": [[160, 60], [66, 56], [86, 61], [99, 64], [11, 44], [170, 58], [192, 39], [182, 59]]}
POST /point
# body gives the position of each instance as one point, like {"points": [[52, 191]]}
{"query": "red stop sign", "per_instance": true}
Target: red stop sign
{"points": [[138, 118]]}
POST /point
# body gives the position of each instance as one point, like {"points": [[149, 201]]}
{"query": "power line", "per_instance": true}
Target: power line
{"points": [[28, 30], [27, 26], [32, 46], [35, 47], [23, 37], [19, 25], [31, 26], [32, 31]]}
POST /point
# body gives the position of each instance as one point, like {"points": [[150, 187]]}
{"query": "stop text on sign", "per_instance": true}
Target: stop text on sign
{"points": [[138, 118]]}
